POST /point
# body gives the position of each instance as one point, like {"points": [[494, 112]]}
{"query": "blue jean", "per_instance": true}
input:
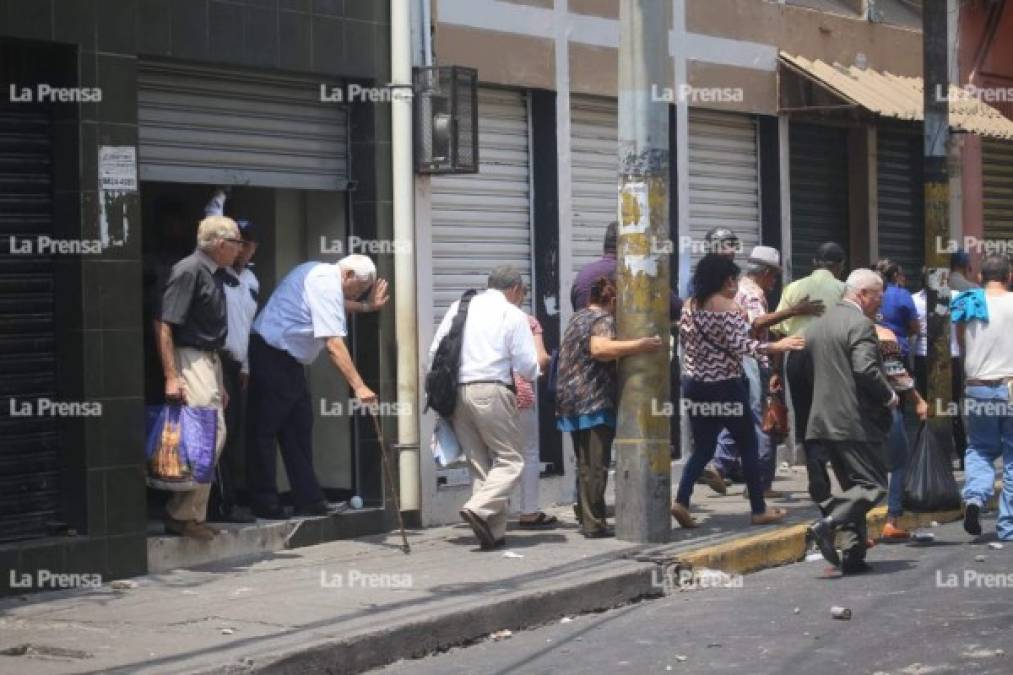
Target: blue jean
{"points": [[989, 436], [897, 444], [726, 454], [729, 409]]}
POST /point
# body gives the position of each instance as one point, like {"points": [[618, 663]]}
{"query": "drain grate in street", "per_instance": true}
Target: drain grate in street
{"points": [[44, 652]]}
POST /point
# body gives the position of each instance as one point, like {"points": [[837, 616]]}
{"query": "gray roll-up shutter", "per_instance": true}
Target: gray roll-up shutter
{"points": [[819, 192], [724, 178], [997, 179], [29, 445], [594, 160], [483, 220], [901, 201], [227, 126]]}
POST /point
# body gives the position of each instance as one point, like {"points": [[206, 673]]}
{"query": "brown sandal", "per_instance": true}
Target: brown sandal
{"points": [[768, 516], [681, 515]]}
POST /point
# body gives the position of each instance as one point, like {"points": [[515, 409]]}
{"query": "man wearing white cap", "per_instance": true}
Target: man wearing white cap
{"points": [[762, 272]]}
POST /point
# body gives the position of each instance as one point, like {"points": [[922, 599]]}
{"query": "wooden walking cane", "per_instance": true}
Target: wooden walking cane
{"points": [[390, 482]]}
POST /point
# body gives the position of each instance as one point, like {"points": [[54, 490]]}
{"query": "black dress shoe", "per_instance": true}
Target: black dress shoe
{"points": [[971, 523], [853, 562], [236, 514], [602, 533], [821, 533], [276, 513], [315, 509]]}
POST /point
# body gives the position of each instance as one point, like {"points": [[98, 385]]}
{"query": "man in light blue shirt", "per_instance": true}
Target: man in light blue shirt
{"points": [[305, 314]]}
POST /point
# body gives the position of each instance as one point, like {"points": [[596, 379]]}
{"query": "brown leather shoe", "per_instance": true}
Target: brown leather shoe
{"points": [[189, 528], [681, 515], [713, 480], [208, 526]]}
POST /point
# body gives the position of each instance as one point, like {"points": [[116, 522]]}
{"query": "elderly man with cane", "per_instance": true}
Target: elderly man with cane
{"points": [[305, 315]]}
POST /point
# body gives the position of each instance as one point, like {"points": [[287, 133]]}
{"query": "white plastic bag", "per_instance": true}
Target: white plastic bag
{"points": [[446, 450]]}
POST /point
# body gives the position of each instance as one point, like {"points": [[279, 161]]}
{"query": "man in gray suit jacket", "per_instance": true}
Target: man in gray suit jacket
{"points": [[850, 416]]}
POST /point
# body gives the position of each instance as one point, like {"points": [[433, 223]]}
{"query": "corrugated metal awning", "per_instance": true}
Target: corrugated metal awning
{"points": [[899, 97]]}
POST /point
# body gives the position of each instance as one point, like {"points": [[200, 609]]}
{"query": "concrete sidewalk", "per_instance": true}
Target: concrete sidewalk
{"points": [[348, 606]]}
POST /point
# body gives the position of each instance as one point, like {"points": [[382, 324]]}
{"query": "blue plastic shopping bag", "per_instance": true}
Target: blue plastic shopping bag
{"points": [[180, 446]]}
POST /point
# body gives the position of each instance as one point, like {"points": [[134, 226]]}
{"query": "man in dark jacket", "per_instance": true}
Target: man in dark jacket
{"points": [[850, 416]]}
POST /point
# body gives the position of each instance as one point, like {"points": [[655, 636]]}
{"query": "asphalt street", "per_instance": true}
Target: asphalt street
{"points": [[934, 608]]}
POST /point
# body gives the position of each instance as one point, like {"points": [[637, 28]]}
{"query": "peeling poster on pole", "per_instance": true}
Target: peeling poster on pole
{"points": [[635, 212]]}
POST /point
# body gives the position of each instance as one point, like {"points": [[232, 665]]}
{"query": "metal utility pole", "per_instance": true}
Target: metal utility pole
{"points": [[937, 219], [643, 460]]}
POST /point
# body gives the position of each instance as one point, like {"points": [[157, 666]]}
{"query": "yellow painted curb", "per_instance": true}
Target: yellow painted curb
{"points": [[787, 544]]}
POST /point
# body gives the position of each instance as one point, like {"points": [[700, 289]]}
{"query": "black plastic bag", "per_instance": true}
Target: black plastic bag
{"points": [[929, 484]]}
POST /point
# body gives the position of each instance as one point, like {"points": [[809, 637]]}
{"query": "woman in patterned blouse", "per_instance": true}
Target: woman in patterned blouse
{"points": [[586, 392], [715, 336]]}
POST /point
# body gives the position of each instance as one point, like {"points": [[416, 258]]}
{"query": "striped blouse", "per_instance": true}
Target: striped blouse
{"points": [[706, 358]]}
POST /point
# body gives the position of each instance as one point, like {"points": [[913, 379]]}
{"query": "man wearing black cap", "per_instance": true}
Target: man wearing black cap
{"points": [[823, 284], [241, 295]]}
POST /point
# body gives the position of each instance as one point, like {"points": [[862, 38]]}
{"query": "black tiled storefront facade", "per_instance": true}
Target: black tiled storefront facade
{"points": [[98, 298]]}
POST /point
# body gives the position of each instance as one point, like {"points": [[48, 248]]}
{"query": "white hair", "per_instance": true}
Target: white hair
{"points": [[863, 279], [360, 265], [214, 229]]}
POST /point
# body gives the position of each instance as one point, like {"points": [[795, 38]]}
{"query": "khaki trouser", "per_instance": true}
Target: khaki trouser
{"points": [[202, 377], [486, 424]]}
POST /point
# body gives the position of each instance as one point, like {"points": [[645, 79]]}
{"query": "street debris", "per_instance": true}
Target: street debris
{"points": [[502, 634], [122, 584], [680, 658], [511, 554], [797, 610], [979, 558], [934, 523], [923, 537], [994, 545], [566, 619], [842, 613], [228, 631]]}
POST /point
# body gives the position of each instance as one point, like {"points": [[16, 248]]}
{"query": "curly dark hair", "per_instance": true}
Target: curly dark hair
{"points": [[710, 276], [603, 291]]}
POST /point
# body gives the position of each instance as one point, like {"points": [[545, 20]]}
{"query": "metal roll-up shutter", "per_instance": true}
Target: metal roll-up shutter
{"points": [[997, 179], [594, 143], [819, 192], [483, 220], [724, 178], [901, 201], [239, 127], [29, 447]]}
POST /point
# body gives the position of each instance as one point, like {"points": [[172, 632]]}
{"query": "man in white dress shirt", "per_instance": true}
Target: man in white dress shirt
{"points": [[305, 315], [497, 342], [241, 295]]}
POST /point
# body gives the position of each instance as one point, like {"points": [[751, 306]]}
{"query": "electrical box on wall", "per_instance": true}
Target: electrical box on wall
{"points": [[446, 119]]}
